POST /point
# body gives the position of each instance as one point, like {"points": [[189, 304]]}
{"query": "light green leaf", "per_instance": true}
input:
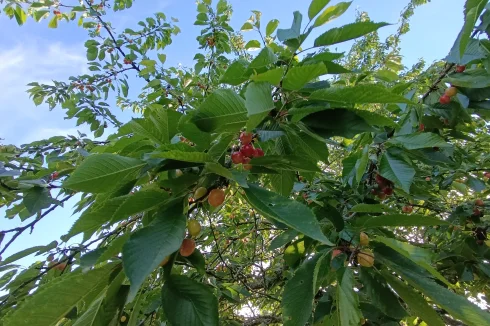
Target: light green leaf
{"points": [[386, 75], [347, 300], [252, 45], [294, 31], [362, 163], [331, 13], [282, 239], [271, 27], [239, 177], [56, 299], [315, 7], [290, 212], [299, 292], [297, 77], [417, 304], [235, 74], [223, 110], [114, 248], [21, 254], [36, 199], [147, 247], [398, 220], [258, 101], [194, 157], [272, 76], [20, 15], [472, 10], [162, 57], [247, 27], [347, 32], [420, 140], [397, 171], [117, 209], [188, 302], [264, 58], [103, 172], [53, 23], [359, 94]]}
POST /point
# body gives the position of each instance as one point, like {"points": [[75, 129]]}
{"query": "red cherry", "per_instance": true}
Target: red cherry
{"points": [[248, 150], [460, 69], [246, 138], [258, 152], [476, 212], [55, 175], [388, 191], [427, 179], [444, 99], [421, 127], [237, 157], [479, 202], [382, 196], [382, 182]]}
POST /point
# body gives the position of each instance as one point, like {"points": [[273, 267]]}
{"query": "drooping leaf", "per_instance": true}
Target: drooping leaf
{"points": [[54, 300], [347, 300], [347, 32], [272, 76], [223, 110], [397, 170], [258, 101], [271, 27], [263, 59], [283, 182], [147, 247], [188, 302], [36, 199], [420, 140], [284, 210], [359, 94], [294, 31], [235, 74], [282, 239], [21, 254], [299, 292], [103, 173]]}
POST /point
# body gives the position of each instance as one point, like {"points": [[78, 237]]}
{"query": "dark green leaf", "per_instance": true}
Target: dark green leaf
{"points": [[359, 94], [347, 32], [297, 77], [347, 299], [294, 31], [398, 220]]}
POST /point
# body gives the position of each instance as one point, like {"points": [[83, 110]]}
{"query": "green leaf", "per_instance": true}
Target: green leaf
{"points": [[194, 157], [283, 182], [359, 94], [160, 126], [347, 300], [258, 101], [223, 110], [315, 7], [92, 53], [218, 169], [397, 170], [162, 57], [362, 163], [189, 130], [347, 32], [372, 208], [418, 255], [420, 140], [286, 162], [53, 23], [458, 306], [114, 248], [299, 292], [387, 75], [235, 74], [271, 27], [336, 122], [56, 299], [297, 77], [398, 220], [36, 199], [332, 214], [331, 13], [201, 7], [20, 15], [117, 209], [103, 172], [380, 294], [417, 304], [272, 76], [474, 78], [290, 212], [247, 27], [282, 239], [263, 59], [472, 10], [252, 45], [307, 146], [187, 302], [294, 31], [147, 247], [21, 254]]}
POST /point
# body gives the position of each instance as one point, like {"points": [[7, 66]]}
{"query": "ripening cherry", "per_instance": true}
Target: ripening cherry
{"points": [[187, 248], [476, 212], [60, 267], [123, 319], [421, 127], [388, 191], [427, 179], [365, 258], [407, 209], [200, 193], [216, 197], [444, 99], [451, 91], [246, 138], [382, 196], [194, 228], [479, 202], [247, 150], [55, 175], [487, 175], [246, 165], [237, 157], [178, 173], [460, 69], [363, 239], [258, 152], [336, 252]]}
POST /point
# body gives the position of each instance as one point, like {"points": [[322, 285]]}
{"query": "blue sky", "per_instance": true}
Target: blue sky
{"points": [[34, 52]]}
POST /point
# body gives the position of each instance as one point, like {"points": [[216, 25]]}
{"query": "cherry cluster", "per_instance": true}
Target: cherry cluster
{"points": [[246, 152], [451, 91], [384, 188]]}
